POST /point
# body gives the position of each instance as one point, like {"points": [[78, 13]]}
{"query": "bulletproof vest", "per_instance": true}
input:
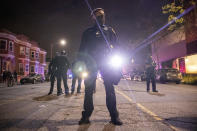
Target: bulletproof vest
{"points": [[151, 66], [61, 62], [97, 47]]}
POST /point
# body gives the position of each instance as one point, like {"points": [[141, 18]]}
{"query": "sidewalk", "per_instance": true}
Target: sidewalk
{"points": [[2, 85]]}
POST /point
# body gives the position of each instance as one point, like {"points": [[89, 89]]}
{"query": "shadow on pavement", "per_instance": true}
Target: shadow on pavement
{"points": [[156, 94], [51, 125], [134, 90], [109, 127], [83, 127], [189, 123], [31, 124], [46, 98]]}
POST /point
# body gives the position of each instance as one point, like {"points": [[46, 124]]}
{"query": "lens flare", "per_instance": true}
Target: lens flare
{"points": [[84, 74], [116, 61]]}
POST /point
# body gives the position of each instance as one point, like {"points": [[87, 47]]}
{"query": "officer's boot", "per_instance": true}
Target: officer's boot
{"points": [[84, 119], [78, 89], [116, 120], [51, 89], [49, 93]]}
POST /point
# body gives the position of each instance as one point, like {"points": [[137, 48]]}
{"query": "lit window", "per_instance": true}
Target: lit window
{"points": [[36, 69], [32, 69], [27, 68], [11, 44], [37, 55], [22, 50], [3, 44], [32, 54], [20, 67], [42, 70]]}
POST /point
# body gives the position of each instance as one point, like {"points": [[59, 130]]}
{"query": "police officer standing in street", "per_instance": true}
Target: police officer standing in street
{"points": [[61, 63], [150, 74], [52, 73], [93, 50], [76, 76]]}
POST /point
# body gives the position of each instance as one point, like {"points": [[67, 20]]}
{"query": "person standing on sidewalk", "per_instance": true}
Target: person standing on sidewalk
{"points": [[93, 51], [15, 76], [4, 76]]}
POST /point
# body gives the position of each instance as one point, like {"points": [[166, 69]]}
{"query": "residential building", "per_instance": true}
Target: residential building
{"points": [[18, 53]]}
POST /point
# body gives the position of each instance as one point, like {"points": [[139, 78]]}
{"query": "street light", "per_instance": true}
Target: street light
{"points": [[62, 42]]}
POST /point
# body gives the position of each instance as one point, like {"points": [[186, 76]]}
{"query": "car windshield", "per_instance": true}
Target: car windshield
{"points": [[172, 70], [169, 70]]}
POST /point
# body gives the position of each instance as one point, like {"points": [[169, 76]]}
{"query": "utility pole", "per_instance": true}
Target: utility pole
{"points": [[51, 51]]}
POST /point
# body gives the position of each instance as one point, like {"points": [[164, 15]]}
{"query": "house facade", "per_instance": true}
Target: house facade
{"points": [[18, 53]]}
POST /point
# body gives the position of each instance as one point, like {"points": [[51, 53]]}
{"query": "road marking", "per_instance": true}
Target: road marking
{"points": [[156, 117], [128, 98]]}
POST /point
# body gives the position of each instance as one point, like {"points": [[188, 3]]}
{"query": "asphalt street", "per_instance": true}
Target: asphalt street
{"points": [[28, 107]]}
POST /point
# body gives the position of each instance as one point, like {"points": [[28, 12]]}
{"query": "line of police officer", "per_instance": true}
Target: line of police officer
{"points": [[58, 68]]}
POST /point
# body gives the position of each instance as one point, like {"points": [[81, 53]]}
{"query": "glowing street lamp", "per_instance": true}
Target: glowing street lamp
{"points": [[62, 42]]}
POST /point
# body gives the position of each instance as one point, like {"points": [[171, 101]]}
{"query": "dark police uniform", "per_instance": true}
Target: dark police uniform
{"points": [[76, 76], [52, 73], [93, 51], [62, 64], [150, 74]]}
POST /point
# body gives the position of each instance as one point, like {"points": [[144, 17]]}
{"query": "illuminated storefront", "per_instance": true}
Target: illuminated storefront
{"points": [[191, 64]]}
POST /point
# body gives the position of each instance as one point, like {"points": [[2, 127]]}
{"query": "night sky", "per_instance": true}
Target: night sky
{"points": [[47, 21]]}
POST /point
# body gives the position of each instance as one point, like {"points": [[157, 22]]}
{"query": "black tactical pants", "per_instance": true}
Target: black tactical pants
{"points": [[62, 74], [152, 79], [75, 77], [52, 80], [110, 96]]}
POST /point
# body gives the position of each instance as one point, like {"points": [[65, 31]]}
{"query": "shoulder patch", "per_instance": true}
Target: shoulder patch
{"points": [[113, 30]]}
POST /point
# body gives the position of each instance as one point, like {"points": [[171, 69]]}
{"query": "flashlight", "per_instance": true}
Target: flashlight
{"points": [[116, 61]]}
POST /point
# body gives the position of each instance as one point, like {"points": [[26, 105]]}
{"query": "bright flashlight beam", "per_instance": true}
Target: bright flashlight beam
{"points": [[116, 61]]}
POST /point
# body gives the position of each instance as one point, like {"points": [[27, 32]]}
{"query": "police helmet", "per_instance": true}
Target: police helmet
{"points": [[63, 52], [100, 10]]}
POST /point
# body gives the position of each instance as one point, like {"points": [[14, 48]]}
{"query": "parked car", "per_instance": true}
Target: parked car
{"points": [[32, 78], [169, 74], [138, 76]]}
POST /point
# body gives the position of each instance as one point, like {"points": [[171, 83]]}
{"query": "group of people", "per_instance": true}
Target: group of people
{"points": [[96, 44], [9, 78], [58, 68]]}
